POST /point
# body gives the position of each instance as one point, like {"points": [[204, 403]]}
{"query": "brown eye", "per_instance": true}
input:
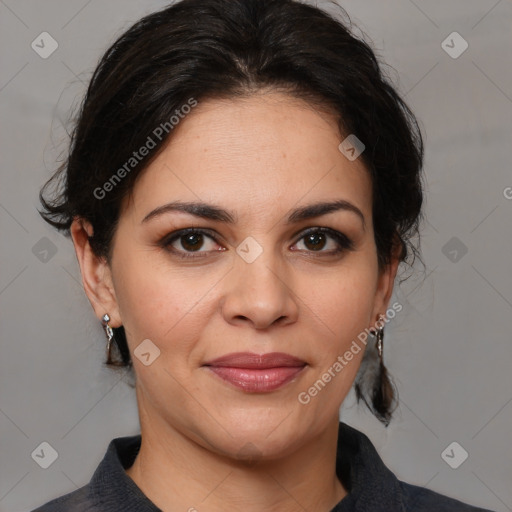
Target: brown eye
{"points": [[187, 241], [316, 239], [191, 241]]}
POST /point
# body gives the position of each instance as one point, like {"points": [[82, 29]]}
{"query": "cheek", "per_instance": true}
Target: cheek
{"points": [[343, 302], [161, 303], [341, 308]]}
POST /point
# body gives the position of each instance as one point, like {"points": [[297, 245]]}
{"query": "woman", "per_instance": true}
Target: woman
{"points": [[241, 187]]}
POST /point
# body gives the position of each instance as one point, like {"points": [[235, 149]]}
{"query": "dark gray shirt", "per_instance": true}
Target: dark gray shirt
{"points": [[371, 486]]}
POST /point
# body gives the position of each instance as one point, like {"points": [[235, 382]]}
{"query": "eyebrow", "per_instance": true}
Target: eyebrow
{"points": [[212, 212]]}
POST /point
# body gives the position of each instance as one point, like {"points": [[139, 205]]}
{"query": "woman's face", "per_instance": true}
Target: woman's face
{"points": [[258, 284]]}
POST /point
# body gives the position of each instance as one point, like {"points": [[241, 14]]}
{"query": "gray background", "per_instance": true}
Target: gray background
{"points": [[449, 349]]}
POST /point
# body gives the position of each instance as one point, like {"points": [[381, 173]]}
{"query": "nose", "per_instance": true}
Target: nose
{"points": [[259, 293]]}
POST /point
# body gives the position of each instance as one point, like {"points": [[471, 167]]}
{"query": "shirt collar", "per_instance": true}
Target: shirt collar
{"points": [[110, 485], [370, 484]]}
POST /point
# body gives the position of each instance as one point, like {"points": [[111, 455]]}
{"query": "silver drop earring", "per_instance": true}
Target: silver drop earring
{"points": [[109, 332], [379, 343]]}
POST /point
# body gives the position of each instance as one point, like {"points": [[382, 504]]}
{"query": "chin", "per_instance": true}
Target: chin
{"points": [[252, 437]]}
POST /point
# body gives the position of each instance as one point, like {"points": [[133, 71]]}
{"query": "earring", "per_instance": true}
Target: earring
{"points": [[379, 343], [109, 332], [379, 338], [373, 384]]}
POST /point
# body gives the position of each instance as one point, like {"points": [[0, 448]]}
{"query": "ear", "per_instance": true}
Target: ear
{"points": [[96, 273], [386, 282]]}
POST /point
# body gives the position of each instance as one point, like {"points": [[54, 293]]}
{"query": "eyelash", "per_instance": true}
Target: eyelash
{"points": [[344, 243]]}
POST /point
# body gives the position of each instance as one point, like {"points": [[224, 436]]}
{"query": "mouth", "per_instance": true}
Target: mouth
{"points": [[256, 373]]}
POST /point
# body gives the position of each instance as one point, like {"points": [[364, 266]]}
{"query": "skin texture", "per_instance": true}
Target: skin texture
{"points": [[206, 444]]}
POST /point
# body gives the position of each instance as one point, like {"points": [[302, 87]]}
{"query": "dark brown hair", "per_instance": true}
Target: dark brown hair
{"points": [[231, 48]]}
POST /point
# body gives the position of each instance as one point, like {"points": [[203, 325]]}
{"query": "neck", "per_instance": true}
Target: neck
{"points": [[177, 473]]}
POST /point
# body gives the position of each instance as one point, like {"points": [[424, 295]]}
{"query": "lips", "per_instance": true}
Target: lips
{"points": [[251, 360], [256, 372]]}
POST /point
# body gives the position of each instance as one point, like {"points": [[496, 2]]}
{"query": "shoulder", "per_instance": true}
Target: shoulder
{"points": [[372, 483], [110, 488], [76, 501], [420, 499]]}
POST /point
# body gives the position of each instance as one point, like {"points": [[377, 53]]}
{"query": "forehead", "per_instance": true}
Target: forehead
{"points": [[261, 152]]}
